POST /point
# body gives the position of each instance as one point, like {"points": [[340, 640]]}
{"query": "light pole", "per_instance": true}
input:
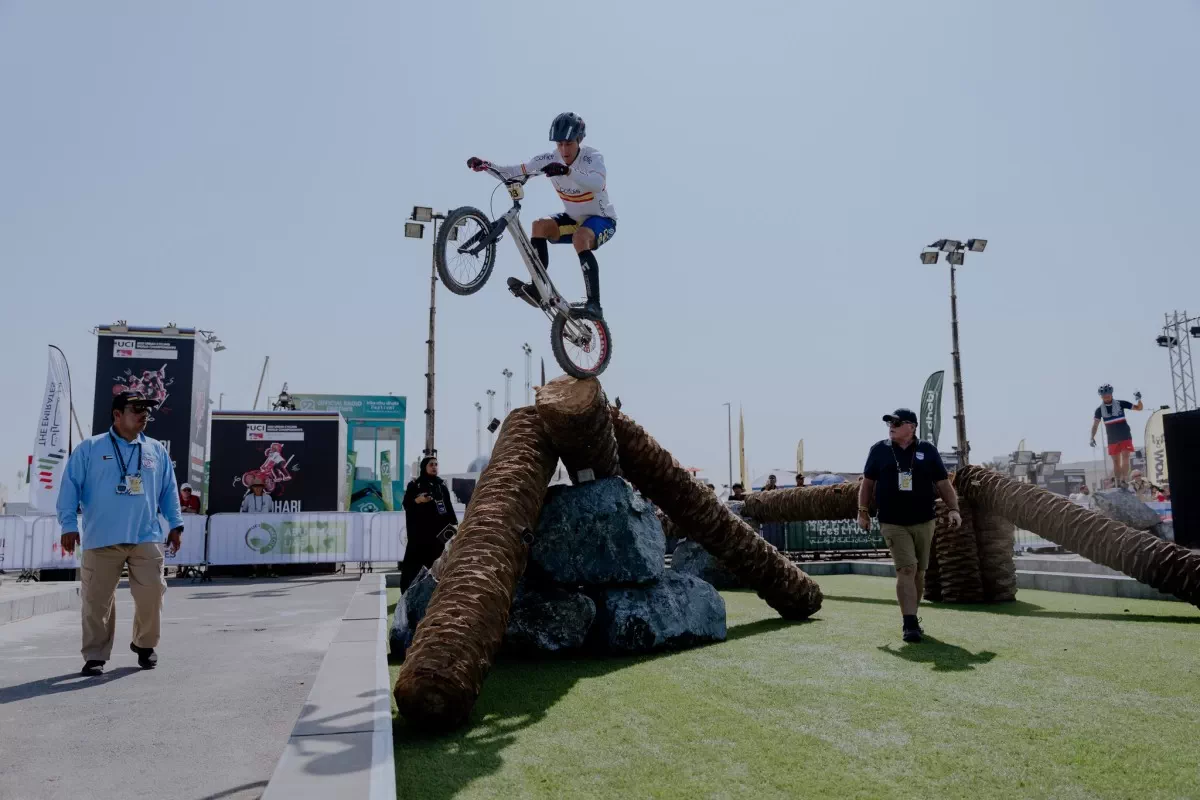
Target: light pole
{"points": [[414, 229], [491, 395], [528, 351], [507, 373], [220, 401], [955, 252], [1177, 334], [478, 429], [729, 424]]}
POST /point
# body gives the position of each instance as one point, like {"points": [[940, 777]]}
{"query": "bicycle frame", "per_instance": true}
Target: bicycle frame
{"points": [[552, 303]]}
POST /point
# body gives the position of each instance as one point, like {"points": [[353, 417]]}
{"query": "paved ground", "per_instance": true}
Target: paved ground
{"points": [[237, 661]]}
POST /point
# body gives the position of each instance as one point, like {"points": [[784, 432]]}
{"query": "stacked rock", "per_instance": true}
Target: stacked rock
{"points": [[595, 583]]}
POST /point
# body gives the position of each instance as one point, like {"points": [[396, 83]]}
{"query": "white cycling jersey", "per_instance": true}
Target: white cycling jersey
{"points": [[583, 190]]}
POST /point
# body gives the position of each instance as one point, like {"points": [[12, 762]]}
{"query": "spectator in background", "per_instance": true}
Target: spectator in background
{"points": [[738, 492], [903, 474], [427, 514], [799, 480], [258, 501], [771, 484], [123, 480], [1084, 498], [188, 502]]}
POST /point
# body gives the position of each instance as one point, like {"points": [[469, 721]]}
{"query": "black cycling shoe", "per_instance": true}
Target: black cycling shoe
{"points": [[526, 291], [591, 308]]}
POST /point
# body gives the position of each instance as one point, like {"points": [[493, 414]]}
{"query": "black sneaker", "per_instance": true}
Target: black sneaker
{"points": [[526, 291], [912, 635], [92, 667], [147, 658]]}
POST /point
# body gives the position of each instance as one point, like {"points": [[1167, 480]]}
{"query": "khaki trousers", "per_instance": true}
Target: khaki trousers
{"points": [[100, 569]]}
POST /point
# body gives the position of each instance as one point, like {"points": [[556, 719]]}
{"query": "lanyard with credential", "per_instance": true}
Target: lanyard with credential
{"points": [[122, 488], [905, 477]]}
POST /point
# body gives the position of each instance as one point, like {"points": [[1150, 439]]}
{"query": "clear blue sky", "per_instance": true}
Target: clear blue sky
{"points": [[777, 168]]}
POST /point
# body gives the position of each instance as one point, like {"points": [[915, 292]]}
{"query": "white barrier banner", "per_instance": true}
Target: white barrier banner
{"points": [[45, 547], [388, 537], [191, 545], [302, 538], [13, 534]]}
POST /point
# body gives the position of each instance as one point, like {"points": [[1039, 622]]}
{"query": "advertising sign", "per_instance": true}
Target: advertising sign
{"points": [[298, 457], [51, 442], [930, 421], [1156, 450], [162, 367], [355, 406]]}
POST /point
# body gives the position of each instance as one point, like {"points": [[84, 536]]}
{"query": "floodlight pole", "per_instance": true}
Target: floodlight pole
{"points": [[430, 449], [960, 414]]}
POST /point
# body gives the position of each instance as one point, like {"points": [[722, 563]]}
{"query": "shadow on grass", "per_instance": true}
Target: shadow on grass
{"points": [[1020, 608], [517, 695], [944, 657]]}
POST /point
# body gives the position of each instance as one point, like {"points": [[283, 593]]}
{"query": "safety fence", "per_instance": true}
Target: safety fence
{"points": [[34, 542]]}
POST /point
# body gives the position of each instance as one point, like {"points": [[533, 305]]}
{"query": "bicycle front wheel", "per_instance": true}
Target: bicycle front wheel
{"points": [[582, 343], [463, 267]]}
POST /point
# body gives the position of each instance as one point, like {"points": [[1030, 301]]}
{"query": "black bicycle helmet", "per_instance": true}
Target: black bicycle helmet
{"points": [[1105, 388], [567, 127]]}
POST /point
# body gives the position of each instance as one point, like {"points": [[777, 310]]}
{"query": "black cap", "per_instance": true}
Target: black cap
{"points": [[901, 415], [132, 398]]}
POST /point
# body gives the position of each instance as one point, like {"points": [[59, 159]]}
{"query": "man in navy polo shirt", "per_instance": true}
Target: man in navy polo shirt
{"points": [[903, 474]]}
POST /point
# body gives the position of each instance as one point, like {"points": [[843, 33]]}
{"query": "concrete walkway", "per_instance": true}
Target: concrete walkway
{"points": [[236, 662]]}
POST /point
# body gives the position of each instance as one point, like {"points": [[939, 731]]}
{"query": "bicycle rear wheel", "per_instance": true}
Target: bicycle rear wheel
{"points": [[582, 343], [462, 230]]}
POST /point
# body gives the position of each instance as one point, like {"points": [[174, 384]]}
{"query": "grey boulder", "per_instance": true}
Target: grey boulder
{"points": [[410, 611], [690, 558], [1124, 506], [676, 612], [548, 621], [597, 533]]}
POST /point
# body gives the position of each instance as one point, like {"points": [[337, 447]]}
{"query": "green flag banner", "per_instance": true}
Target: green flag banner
{"points": [[930, 418]]}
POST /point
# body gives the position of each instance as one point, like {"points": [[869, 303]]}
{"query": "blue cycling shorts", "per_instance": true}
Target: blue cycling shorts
{"points": [[603, 227]]}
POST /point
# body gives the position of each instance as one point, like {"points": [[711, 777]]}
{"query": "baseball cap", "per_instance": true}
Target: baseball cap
{"points": [[123, 399], [901, 415], [187, 486]]}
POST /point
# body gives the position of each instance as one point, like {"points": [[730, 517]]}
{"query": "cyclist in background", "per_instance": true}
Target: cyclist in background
{"points": [[1120, 438], [590, 220]]}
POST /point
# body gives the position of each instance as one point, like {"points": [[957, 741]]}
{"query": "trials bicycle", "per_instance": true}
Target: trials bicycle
{"points": [[465, 253]]}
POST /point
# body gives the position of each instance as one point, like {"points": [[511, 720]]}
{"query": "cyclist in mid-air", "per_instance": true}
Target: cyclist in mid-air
{"points": [[578, 175]]}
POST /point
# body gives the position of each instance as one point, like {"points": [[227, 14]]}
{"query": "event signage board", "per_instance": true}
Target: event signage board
{"points": [[172, 369], [299, 456]]}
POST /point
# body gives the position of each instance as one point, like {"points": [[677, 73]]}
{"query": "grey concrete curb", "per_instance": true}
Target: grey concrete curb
{"points": [[1076, 581], [31, 601], [341, 746]]}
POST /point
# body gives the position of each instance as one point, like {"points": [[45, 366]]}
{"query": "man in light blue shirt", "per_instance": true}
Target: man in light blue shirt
{"points": [[122, 480]]}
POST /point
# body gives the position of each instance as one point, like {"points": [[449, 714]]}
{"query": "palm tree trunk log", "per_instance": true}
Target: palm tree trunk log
{"points": [[957, 556], [804, 504], [575, 413], [464, 626], [696, 508], [1164, 565], [997, 567]]}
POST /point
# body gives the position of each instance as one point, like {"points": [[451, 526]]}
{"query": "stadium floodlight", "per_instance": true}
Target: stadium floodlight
{"points": [[422, 214], [1167, 341], [929, 257], [976, 245], [414, 230], [1023, 457], [955, 258], [1194, 331], [1051, 456], [950, 245]]}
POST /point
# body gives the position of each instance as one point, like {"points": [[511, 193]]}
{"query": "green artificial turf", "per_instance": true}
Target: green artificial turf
{"points": [[1054, 696]]}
